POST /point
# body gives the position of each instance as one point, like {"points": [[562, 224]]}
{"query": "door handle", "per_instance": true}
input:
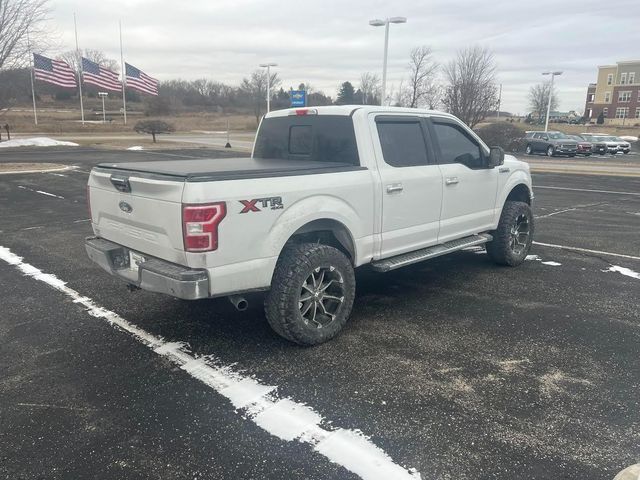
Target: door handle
{"points": [[395, 188], [451, 180]]}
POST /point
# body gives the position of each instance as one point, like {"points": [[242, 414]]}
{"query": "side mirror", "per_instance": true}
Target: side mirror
{"points": [[496, 157]]}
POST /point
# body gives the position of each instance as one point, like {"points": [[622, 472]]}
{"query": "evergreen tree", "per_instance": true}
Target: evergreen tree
{"points": [[346, 94]]}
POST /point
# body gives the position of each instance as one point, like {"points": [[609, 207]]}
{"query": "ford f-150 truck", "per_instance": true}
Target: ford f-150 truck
{"points": [[326, 190]]}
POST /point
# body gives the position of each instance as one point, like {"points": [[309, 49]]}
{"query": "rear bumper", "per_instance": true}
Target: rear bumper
{"points": [[151, 274]]}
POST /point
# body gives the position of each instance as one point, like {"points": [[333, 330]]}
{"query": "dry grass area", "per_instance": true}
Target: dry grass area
{"points": [[67, 121], [578, 129]]}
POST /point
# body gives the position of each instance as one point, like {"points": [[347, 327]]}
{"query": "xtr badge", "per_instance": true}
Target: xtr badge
{"points": [[273, 203]]}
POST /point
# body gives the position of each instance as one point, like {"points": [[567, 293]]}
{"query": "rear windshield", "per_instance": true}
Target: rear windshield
{"points": [[320, 138]]}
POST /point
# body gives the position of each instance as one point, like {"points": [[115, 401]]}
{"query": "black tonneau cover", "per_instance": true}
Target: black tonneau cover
{"points": [[216, 169]]}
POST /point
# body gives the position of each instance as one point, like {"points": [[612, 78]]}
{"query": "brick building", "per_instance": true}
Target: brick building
{"points": [[616, 94]]}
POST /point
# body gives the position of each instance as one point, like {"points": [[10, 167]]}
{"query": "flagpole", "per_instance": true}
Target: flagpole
{"points": [[79, 58], [33, 89], [124, 76]]}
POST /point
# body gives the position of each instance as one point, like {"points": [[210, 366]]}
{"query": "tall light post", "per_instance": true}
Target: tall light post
{"points": [[553, 74], [385, 23], [268, 67], [103, 95]]}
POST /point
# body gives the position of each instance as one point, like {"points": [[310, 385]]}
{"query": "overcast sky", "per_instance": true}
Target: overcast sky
{"points": [[326, 42]]}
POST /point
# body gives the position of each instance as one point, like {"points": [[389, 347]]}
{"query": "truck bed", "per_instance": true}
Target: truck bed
{"points": [[216, 169]]}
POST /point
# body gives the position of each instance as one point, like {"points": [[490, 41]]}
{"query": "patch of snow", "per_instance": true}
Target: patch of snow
{"points": [[36, 142], [629, 138], [536, 258], [135, 147], [624, 271]]}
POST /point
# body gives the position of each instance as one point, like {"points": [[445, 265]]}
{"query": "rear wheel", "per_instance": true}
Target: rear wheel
{"points": [[550, 151], [311, 293], [528, 150], [513, 237]]}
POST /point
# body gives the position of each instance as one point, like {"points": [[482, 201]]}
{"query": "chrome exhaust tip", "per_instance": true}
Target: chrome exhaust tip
{"points": [[239, 302]]}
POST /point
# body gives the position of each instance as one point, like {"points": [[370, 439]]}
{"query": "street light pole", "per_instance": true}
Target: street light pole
{"points": [[385, 23], [268, 67], [553, 74]]}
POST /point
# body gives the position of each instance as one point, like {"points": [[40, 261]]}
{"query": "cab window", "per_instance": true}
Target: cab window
{"points": [[402, 141], [457, 146]]}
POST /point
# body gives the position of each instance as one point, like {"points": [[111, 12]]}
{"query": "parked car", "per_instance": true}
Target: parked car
{"points": [[603, 143], [326, 190], [551, 143], [584, 146], [623, 145]]}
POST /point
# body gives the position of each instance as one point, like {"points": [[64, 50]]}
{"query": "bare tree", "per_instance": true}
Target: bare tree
{"points": [[422, 72], [370, 88], [471, 85], [74, 58], [255, 89], [20, 19], [539, 99]]}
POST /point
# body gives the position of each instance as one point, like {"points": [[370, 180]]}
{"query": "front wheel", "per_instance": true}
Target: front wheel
{"points": [[311, 294], [513, 237], [528, 150], [550, 151]]}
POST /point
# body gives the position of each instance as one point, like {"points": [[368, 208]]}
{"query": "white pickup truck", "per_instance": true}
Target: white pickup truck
{"points": [[326, 190]]}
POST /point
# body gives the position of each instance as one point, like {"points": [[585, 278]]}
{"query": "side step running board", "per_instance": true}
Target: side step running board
{"points": [[430, 252]]}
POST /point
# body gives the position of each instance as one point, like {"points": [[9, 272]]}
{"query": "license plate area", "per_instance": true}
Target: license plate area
{"points": [[135, 259]]}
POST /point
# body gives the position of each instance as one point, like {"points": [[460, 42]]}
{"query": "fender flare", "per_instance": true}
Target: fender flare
{"points": [[310, 209]]}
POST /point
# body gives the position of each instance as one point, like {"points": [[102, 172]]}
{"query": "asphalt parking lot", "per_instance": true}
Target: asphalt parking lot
{"points": [[454, 368]]}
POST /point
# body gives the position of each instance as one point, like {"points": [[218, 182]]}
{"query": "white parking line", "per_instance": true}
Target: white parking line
{"points": [[586, 250], [281, 417], [40, 192], [636, 194]]}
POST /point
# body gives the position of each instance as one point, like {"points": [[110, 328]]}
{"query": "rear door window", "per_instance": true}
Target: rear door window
{"points": [[403, 142]]}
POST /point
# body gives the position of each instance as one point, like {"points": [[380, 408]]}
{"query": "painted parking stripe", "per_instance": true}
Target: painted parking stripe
{"points": [[586, 250], [636, 194], [282, 417]]}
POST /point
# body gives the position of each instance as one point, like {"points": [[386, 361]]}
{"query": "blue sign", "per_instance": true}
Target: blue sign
{"points": [[298, 98]]}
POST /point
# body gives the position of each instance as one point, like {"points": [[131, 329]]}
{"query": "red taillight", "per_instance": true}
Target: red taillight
{"points": [[200, 226]]}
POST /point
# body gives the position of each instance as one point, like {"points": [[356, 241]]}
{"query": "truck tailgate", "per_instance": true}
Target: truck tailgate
{"points": [[139, 212]]}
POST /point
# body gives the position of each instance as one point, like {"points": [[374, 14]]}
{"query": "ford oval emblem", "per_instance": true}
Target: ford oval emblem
{"points": [[125, 207]]}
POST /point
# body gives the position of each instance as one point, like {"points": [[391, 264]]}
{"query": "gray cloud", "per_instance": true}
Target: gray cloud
{"points": [[329, 41]]}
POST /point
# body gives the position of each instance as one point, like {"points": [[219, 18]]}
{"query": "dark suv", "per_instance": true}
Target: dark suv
{"points": [[550, 143]]}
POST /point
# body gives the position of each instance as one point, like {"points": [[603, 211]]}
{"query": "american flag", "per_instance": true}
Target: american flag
{"points": [[138, 80], [53, 71], [101, 77]]}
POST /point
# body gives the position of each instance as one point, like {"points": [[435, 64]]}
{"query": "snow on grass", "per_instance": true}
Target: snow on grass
{"points": [[624, 271], [135, 147], [629, 138], [36, 142]]}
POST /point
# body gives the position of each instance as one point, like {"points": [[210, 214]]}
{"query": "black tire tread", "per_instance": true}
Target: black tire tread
{"points": [[294, 258], [498, 249]]}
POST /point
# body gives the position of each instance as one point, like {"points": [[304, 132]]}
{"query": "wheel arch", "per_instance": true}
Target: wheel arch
{"points": [[520, 193], [326, 231]]}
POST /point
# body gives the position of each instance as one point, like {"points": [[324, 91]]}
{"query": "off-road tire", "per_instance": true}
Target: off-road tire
{"points": [[499, 249], [282, 307]]}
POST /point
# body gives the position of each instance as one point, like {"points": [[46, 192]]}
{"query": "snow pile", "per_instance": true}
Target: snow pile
{"points": [[36, 142], [135, 147], [629, 138]]}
